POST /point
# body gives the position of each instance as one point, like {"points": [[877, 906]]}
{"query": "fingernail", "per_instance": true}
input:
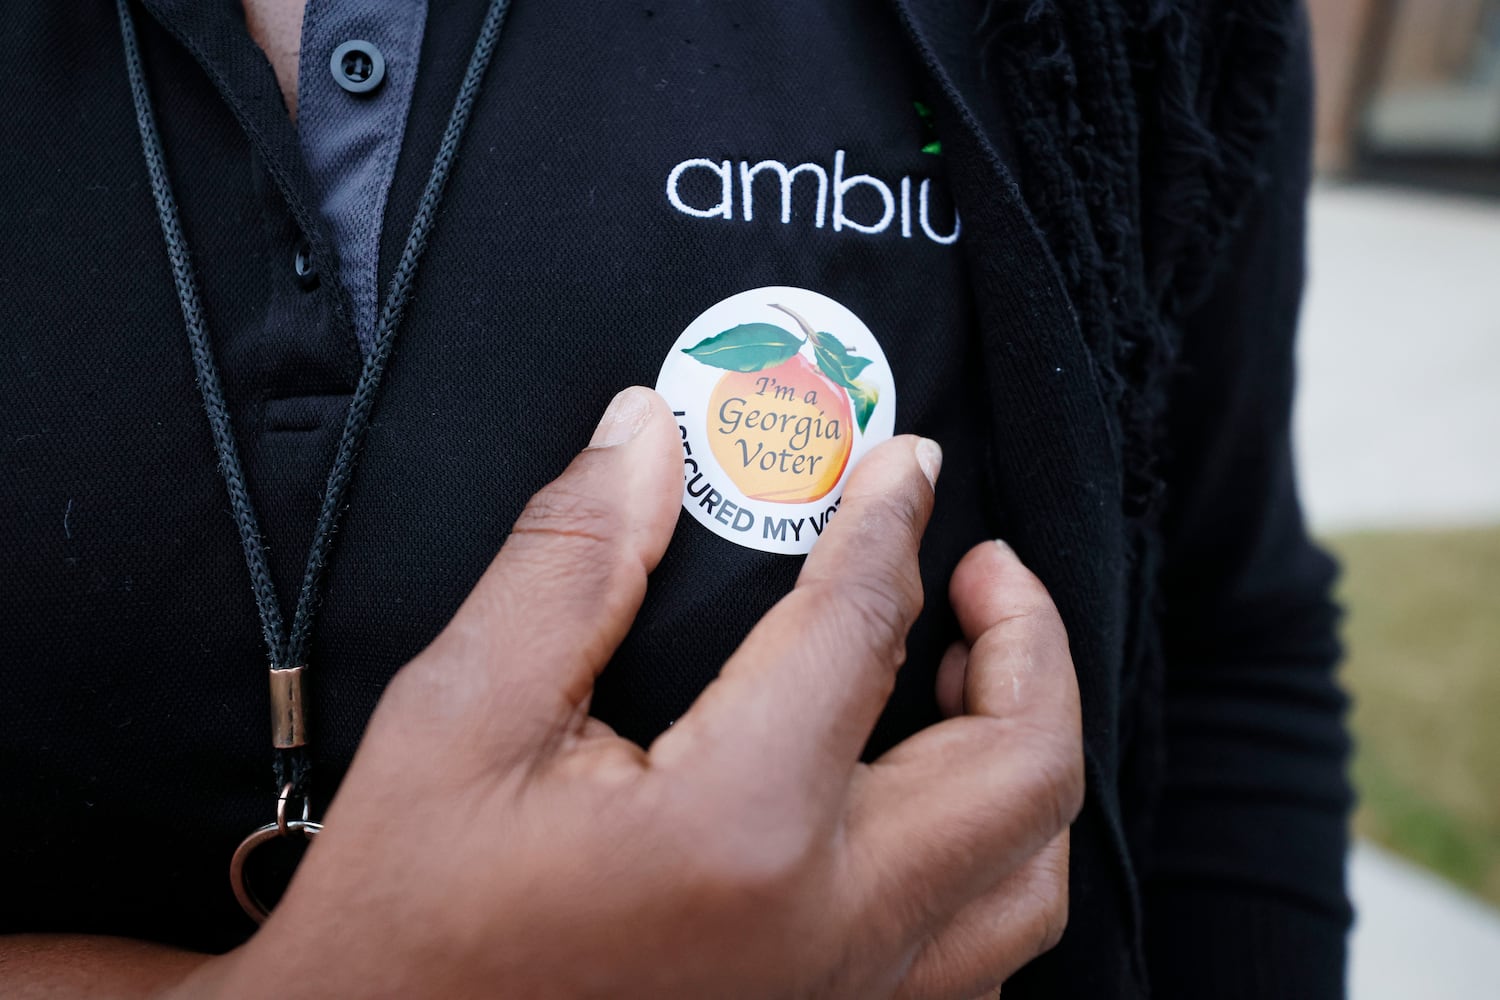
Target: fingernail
{"points": [[930, 458], [624, 417], [1005, 546]]}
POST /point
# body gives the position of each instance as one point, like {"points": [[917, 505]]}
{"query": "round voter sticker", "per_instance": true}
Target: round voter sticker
{"points": [[778, 393]]}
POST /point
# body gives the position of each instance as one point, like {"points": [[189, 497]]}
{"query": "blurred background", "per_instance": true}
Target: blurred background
{"points": [[1398, 436]]}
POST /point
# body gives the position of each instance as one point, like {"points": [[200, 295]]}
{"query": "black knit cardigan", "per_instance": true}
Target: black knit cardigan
{"points": [[1160, 159]]}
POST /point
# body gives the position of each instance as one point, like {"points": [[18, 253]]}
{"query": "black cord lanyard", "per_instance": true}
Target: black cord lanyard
{"points": [[288, 650]]}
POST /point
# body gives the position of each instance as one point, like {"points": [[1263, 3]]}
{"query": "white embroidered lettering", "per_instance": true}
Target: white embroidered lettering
{"points": [[747, 193], [724, 208], [927, 226], [842, 186], [891, 205]]}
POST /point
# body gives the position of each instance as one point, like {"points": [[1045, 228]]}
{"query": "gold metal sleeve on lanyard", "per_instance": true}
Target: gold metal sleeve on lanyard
{"points": [[288, 709]]}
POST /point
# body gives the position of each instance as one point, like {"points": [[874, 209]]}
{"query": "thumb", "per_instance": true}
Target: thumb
{"points": [[516, 665]]}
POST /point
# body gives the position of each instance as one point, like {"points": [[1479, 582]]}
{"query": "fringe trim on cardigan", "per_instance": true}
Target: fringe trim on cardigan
{"points": [[1140, 125]]}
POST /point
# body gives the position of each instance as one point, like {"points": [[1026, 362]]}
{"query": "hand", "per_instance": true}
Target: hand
{"points": [[491, 839]]}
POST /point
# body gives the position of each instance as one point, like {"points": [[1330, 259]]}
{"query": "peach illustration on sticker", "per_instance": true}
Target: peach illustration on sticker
{"points": [[778, 392]]}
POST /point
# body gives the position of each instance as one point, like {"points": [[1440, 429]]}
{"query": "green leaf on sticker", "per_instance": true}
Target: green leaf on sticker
{"points": [[864, 396], [836, 360], [749, 347], [843, 367]]}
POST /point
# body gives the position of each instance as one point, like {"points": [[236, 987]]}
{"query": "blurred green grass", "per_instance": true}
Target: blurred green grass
{"points": [[1423, 634]]}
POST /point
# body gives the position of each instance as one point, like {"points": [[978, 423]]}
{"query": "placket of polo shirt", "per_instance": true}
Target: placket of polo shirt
{"points": [[289, 371], [355, 83]]}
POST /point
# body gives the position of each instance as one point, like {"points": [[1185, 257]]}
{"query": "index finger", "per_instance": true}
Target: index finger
{"points": [[518, 661], [805, 688]]}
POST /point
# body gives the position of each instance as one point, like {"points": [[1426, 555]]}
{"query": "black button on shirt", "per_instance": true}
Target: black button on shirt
{"points": [[357, 66], [303, 266]]}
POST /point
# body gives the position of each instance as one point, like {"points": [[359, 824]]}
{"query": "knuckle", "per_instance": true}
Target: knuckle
{"points": [[1032, 624], [1067, 772], [429, 678], [1053, 919], [1056, 783], [567, 535], [887, 604], [1040, 789], [880, 607], [733, 848], [1075, 789], [563, 512], [887, 516], [904, 510], [1044, 783], [1033, 676], [762, 862]]}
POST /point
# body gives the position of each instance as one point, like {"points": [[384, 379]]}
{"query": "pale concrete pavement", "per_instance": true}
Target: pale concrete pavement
{"points": [[1417, 939], [1398, 419]]}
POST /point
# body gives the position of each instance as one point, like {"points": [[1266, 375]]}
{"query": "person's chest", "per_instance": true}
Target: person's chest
{"points": [[626, 170]]}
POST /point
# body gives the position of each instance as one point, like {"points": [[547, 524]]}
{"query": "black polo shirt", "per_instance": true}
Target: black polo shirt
{"points": [[625, 170]]}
